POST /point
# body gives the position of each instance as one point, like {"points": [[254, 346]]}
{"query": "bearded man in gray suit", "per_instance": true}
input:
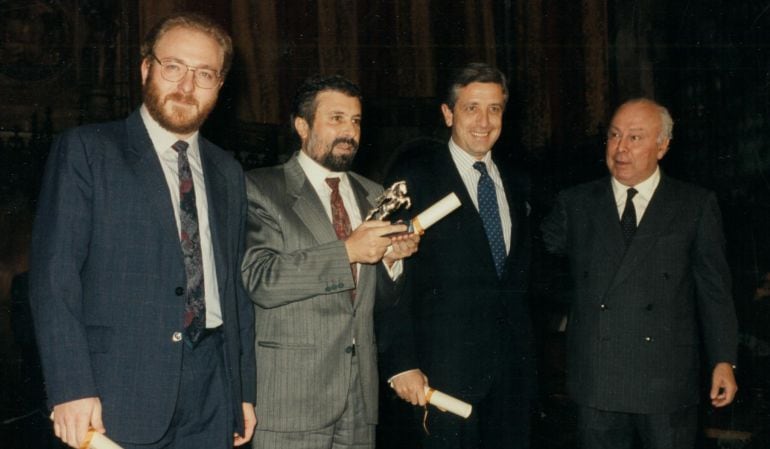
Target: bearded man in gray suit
{"points": [[312, 266]]}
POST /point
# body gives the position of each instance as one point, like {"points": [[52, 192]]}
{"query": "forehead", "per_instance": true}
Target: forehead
{"points": [[191, 46], [636, 116], [476, 92], [334, 101]]}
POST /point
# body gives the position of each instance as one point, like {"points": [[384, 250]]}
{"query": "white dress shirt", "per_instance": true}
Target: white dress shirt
{"points": [[641, 200], [470, 176], [162, 140]]}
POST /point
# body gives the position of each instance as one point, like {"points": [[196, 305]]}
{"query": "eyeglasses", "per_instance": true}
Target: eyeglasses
{"points": [[174, 71]]}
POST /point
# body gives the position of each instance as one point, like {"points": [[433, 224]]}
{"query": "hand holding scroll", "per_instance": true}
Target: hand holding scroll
{"points": [[72, 420]]}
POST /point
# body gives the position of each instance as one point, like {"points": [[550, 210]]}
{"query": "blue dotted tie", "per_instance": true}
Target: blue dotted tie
{"points": [[490, 215]]}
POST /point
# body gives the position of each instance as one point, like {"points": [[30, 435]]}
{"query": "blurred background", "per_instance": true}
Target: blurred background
{"points": [[69, 62]]}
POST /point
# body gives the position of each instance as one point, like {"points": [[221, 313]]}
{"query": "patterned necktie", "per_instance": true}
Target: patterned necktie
{"points": [[628, 219], [340, 219], [490, 215], [195, 304]]}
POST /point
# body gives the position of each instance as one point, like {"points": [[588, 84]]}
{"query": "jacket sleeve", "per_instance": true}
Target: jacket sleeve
{"points": [[60, 242]]}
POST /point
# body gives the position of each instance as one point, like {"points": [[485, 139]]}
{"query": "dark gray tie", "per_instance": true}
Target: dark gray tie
{"points": [[195, 304], [628, 218]]}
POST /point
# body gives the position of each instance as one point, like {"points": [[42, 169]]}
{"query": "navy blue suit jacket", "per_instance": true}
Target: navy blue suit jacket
{"points": [[107, 277], [456, 320]]}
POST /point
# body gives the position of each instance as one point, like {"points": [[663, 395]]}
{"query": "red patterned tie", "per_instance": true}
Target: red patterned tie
{"points": [[340, 219], [195, 304]]}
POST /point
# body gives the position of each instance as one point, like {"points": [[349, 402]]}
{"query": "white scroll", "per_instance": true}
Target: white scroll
{"points": [[436, 212], [447, 403]]}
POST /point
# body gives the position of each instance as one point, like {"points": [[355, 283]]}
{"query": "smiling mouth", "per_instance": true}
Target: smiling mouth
{"points": [[480, 135]]}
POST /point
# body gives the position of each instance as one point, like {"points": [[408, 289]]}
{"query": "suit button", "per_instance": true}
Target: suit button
{"points": [[179, 291], [585, 274], [603, 307], [648, 339], [665, 276], [648, 308], [177, 337], [349, 349]]}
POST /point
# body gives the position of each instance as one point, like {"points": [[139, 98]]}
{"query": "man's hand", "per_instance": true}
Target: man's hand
{"points": [[410, 386], [249, 422], [723, 385], [72, 420], [366, 243], [404, 245]]}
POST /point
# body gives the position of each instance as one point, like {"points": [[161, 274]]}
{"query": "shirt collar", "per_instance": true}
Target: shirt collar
{"points": [[317, 173], [162, 139], [645, 188], [465, 160]]}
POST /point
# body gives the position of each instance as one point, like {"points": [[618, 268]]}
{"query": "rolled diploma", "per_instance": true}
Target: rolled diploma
{"points": [[431, 215], [447, 403], [99, 441]]}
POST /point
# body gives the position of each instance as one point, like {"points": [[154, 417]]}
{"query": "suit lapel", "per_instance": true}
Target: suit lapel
{"points": [[307, 205], [472, 225], [142, 157], [661, 210]]}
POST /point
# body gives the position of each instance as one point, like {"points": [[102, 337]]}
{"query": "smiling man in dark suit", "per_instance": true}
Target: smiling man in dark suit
{"points": [[143, 325], [463, 323], [648, 266]]}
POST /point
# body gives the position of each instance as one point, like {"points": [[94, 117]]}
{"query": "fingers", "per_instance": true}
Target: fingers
{"points": [[368, 242], [249, 422], [410, 386], [73, 420], [723, 385]]}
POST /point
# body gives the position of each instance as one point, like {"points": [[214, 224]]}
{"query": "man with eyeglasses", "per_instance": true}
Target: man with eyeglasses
{"points": [[145, 331], [647, 258]]}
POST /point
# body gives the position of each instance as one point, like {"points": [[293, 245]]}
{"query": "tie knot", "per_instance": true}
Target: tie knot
{"points": [[334, 183], [631, 193], [180, 146], [481, 167]]}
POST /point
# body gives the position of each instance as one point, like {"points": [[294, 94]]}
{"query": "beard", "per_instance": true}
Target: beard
{"points": [[339, 162], [178, 120]]}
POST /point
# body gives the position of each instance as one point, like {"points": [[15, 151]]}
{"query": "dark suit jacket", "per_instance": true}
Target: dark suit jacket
{"points": [[457, 321], [636, 315], [107, 269], [298, 275]]}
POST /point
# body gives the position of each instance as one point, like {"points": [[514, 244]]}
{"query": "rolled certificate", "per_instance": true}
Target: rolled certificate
{"points": [[95, 440], [447, 403], [431, 215]]}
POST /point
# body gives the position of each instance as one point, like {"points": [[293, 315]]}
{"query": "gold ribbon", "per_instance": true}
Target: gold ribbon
{"points": [[425, 415], [87, 440]]}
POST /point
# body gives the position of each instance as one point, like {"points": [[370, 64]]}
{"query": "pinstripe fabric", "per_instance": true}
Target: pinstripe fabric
{"points": [[298, 275]]}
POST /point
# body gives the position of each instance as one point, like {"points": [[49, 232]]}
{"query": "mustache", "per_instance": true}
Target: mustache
{"points": [[181, 98], [345, 140]]}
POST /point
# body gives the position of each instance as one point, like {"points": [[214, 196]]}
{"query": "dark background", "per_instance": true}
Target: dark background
{"points": [[570, 63]]}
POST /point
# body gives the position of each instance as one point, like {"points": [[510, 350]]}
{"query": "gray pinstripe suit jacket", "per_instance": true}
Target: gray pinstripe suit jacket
{"points": [[298, 275], [637, 314]]}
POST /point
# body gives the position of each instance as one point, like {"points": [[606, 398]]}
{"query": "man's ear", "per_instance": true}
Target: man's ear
{"points": [[145, 69], [448, 115], [663, 148], [302, 127]]}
